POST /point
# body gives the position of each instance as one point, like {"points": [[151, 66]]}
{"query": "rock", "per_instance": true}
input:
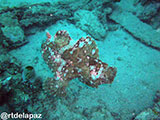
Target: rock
{"points": [[10, 76], [4, 62], [149, 13], [2, 50], [12, 35], [89, 23], [157, 96], [14, 91], [108, 10], [150, 113], [103, 12], [8, 19], [14, 21], [26, 16], [155, 23], [38, 14], [9, 66], [144, 2], [146, 115], [144, 32], [51, 13]]}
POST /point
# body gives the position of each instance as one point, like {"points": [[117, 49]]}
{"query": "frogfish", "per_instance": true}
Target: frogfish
{"points": [[68, 60]]}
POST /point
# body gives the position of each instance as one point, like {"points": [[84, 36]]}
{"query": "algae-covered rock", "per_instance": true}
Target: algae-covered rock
{"points": [[14, 91], [150, 14], [151, 113], [157, 96], [8, 19], [42, 13], [146, 115], [12, 35], [4, 62], [10, 76], [88, 22], [9, 66], [149, 11], [24, 17]]}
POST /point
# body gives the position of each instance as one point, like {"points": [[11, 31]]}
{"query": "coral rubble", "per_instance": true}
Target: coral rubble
{"points": [[69, 61]]}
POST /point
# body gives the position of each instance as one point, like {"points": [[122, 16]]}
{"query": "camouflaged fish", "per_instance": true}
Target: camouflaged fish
{"points": [[69, 60]]}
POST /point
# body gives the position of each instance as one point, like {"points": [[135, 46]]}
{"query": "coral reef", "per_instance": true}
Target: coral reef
{"points": [[15, 92], [25, 19], [68, 61], [15, 22], [10, 77]]}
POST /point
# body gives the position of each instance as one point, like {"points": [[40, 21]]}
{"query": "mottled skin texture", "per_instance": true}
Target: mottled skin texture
{"points": [[67, 62]]}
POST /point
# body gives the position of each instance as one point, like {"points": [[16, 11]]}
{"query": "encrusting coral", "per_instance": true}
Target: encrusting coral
{"points": [[68, 61]]}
